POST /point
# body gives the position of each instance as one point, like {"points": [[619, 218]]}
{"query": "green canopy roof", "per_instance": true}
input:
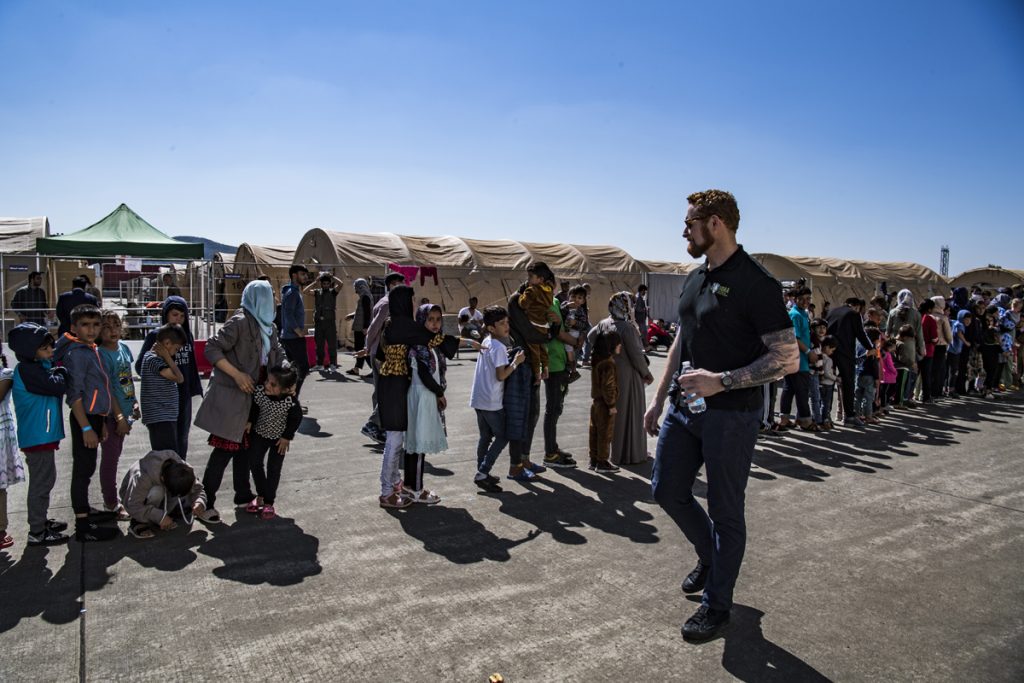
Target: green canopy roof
{"points": [[122, 233]]}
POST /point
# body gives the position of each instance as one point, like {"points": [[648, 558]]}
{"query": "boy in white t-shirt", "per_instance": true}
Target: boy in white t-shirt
{"points": [[487, 394]]}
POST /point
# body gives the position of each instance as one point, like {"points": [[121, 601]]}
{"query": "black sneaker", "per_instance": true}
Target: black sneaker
{"points": [[695, 580], [559, 460], [100, 516], [488, 483], [54, 525], [705, 624], [605, 467], [86, 532], [48, 536]]}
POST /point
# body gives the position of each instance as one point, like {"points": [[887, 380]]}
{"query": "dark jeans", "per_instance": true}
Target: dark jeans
{"points": [[491, 424], [798, 385], [953, 372], [360, 339], [163, 436], [847, 386], [723, 442], [214, 473], [938, 378], [83, 462], [266, 481], [296, 350], [326, 333], [827, 392], [555, 388]]}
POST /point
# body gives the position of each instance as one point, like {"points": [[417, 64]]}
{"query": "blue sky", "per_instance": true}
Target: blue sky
{"points": [[872, 130]]}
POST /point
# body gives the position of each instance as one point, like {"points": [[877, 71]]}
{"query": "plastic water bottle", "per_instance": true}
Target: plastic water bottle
{"points": [[696, 405]]}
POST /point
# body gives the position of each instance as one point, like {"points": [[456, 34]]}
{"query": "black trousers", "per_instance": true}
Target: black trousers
{"points": [[214, 473], [296, 350], [326, 333], [266, 480], [163, 436], [844, 366], [953, 371], [360, 339], [962, 371], [83, 462], [556, 386], [924, 371], [990, 361], [938, 377], [413, 468]]}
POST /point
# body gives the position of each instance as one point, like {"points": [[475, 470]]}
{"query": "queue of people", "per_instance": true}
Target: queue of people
{"points": [[726, 367]]}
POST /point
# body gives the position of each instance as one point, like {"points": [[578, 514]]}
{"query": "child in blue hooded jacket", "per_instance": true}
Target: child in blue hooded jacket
{"points": [[37, 390]]}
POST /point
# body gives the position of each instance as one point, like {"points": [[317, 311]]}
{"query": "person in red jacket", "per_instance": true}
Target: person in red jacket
{"points": [[930, 330]]}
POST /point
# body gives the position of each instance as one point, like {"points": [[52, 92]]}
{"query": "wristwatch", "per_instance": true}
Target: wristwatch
{"points": [[727, 380]]}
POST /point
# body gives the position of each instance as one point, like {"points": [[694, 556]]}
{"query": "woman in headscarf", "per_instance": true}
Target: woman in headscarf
{"points": [[361, 320], [240, 353], [944, 339], [629, 442]]}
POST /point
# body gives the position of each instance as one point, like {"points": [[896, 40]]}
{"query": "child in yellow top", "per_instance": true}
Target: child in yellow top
{"points": [[536, 302]]}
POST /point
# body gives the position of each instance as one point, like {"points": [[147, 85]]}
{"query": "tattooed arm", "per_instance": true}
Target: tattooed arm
{"points": [[782, 358]]}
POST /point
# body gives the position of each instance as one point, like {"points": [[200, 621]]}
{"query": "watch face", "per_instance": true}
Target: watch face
{"points": [[726, 380]]}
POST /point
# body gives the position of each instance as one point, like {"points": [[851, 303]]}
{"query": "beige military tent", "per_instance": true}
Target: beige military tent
{"points": [[253, 260], [448, 270], [992, 277]]}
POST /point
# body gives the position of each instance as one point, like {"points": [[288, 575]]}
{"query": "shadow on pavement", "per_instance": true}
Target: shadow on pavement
{"points": [[30, 588], [311, 427], [558, 509], [254, 551], [456, 535], [749, 656]]}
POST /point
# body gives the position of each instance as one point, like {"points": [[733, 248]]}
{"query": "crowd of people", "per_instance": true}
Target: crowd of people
{"points": [[878, 356]]}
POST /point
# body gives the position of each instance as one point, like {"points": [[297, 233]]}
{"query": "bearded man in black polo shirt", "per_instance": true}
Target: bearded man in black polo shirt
{"points": [[735, 332]]}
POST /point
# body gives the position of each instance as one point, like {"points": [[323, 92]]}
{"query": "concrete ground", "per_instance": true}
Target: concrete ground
{"points": [[893, 553]]}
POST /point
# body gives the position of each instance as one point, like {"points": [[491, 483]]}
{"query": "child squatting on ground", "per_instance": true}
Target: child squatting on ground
{"points": [[158, 491], [274, 418]]}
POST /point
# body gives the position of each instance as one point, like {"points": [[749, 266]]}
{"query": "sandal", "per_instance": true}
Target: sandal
{"points": [[809, 428], [423, 497], [255, 507], [268, 512], [395, 500], [121, 515], [6, 541]]}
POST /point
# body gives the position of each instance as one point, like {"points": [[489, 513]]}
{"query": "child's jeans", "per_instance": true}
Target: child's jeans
{"points": [[864, 400], [389, 476], [491, 424], [827, 391], [815, 394], [110, 453]]}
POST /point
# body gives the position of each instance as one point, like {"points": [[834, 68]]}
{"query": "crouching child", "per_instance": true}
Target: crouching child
{"points": [[159, 490]]}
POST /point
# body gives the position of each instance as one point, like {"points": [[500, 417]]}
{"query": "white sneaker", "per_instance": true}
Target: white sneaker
{"points": [[333, 368], [210, 516], [316, 368]]}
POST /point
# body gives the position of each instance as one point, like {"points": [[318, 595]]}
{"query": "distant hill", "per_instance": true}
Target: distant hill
{"points": [[209, 246]]}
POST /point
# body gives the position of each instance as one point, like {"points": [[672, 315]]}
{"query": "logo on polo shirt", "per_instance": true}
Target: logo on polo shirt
{"points": [[719, 289]]}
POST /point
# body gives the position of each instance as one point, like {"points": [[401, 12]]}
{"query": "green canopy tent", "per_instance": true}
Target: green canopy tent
{"points": [[122, 233]]}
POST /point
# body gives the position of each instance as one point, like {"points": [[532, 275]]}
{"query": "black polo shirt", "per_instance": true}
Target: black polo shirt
{"points": [[723, 313]]}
